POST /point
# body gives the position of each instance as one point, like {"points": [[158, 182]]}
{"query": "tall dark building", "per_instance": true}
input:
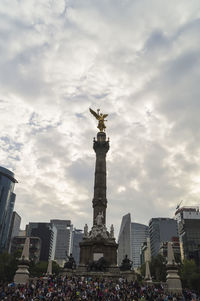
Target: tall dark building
{"points": [[18, 242], [7, 201], [188, 219], [77, 237], [131, 237], [47, 234], [14, 228], [63, 239], [161, 230]]}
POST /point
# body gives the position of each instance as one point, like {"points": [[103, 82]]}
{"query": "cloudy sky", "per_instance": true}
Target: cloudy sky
{"points": [[138, 61]]}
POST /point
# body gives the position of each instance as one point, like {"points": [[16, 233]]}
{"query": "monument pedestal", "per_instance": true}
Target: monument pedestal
{"points": [[128, 275], [22, 274], [173, 280], [93, 249]]}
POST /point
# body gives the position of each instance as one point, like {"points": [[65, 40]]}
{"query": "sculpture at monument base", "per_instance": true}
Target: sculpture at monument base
{"points": [[126, 264], [71, 263], [101, 265]]}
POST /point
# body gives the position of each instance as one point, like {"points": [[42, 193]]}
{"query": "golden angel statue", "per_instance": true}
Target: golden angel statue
{"points": [[101, 118]]}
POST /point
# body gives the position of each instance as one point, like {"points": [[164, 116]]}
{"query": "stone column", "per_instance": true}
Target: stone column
{"points": [[101, 147], [173, 279], [22, 273], [49, 267], [147, 277]]}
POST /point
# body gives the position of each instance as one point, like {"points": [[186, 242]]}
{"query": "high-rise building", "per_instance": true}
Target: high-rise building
{"points": [[47, 234], [188, 219], [18, 242], [124, 239], [14, 228], [77, 237], [63, 240], [139, 234], [131, 237], [161, 230], [175, 246], [7, 201]]}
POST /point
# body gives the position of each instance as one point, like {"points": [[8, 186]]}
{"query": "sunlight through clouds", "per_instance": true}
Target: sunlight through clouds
{"points": [[139, 62]]}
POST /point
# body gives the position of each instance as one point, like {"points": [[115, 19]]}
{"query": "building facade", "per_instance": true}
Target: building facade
{"points": [[131, 237], [139, 235], [47, 234], [176, 248], [161, 230], [124, 239], [188, 219], [18, 242], [77, 237], [14, 228], [7, 201], [63, 239]]}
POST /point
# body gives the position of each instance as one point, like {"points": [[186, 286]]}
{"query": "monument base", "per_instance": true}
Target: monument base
{"points": [[173, 281], [112, 273], [94, 249], [22, 275]]}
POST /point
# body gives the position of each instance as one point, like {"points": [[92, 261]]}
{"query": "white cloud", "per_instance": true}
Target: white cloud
{"points": [[137, 61]]}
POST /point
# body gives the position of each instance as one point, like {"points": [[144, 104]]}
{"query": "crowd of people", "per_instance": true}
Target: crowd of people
{"points": [[67, 288]]}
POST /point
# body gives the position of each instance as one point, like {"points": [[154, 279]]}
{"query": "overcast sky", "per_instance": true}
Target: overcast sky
{"points": [[138, 61]]}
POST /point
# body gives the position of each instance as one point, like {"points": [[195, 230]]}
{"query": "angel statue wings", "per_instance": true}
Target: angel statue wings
{"points": [[101, 118]]}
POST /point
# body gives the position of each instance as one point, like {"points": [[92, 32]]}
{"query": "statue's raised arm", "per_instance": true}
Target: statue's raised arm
{"points": [[101, 118]]}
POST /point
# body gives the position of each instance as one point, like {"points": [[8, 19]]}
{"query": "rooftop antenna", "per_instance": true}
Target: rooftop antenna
{"points": [[178, 205]]}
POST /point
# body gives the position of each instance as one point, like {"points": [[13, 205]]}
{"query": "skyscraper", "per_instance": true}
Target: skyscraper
{"points": [[139, 235], [188, 219], [161, 230], [47, 234], [77, 237], [14, 228], [63, 239], [131, 237], [124, 239], [7, 201]]}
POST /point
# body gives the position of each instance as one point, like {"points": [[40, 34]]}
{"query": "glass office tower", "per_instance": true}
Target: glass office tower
{"points": [[7, 201]]}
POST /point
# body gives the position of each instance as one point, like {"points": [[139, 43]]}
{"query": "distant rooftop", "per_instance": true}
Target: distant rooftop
{"points": [[188, 209], [6, 172]]}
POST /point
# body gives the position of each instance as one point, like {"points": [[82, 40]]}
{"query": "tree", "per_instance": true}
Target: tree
{"points": [[40, 268], [190, 275], [8, 266], [158, 268]]}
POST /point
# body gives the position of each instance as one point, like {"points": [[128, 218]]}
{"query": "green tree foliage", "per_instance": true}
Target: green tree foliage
{"points": [[40, 268], [8, 266], [158, 268], [190, 275]]}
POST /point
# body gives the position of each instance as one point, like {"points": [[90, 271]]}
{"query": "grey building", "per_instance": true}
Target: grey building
{"points": [[130, 239], [124, 239], [161, 230], [14, 228], [139, 235], [63, 239], [7, 201], [188, 219], [47, 234], [77, 237], [18, 242]]}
